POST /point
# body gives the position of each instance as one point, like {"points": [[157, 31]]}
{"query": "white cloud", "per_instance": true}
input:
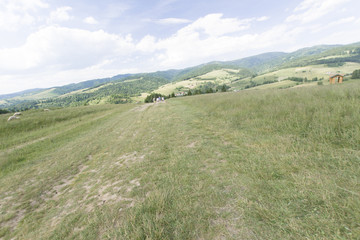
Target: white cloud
{"points": [[213, 37], [215, 25], [345, 20], [61, 14], [263, 18], [60, 48], [59, 55], [90, 20], [59, 51], [173, 21], [46, 79], [19, 13], [147, 44], [311, 10]]}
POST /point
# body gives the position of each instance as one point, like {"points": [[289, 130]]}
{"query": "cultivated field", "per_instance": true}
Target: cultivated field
{"points": [[309, 72], [223, 76], [266, 164]]}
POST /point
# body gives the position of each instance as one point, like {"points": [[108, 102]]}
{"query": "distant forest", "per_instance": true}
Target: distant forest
{"points": [[122, 88]]}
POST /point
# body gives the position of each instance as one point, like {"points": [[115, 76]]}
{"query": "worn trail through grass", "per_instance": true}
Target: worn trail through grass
{"points": [[258, 165]]}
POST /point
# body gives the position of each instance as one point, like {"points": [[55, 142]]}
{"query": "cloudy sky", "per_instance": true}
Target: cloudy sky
{"points": [[45, 43]]}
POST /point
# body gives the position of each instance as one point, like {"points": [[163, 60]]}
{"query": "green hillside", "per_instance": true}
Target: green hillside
{"points": [[215, 77], [266, 164], [297, 75], [250, 72], [270, 61]]}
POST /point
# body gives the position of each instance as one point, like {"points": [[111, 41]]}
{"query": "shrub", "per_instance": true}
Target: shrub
{"points": [[150, 97], [356, 74], [3, 111]]}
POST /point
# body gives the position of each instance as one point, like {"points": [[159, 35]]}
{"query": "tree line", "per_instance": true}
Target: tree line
{"points": [[203, 89], [356, 74]]}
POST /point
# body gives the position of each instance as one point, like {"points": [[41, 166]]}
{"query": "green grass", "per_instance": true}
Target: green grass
{"points": [[223, 76], [266, 164], [41, 95], [320, 71], [310, 72], [277, 85]]}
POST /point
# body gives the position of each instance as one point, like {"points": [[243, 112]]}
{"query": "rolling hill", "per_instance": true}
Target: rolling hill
{"points": [[269, 159], [278, 164], [309, 64]]}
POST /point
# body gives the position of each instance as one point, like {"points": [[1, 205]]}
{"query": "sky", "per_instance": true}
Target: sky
{"points": [[46, 43]]}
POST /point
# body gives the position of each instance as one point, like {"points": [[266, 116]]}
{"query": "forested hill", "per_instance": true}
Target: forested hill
{"points": [[87, 84], [127, 87]]}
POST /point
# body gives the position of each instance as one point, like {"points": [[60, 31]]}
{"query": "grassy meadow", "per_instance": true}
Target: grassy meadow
{"points": [[309, 72], [219, 77], [265, 164], [320, 71]]}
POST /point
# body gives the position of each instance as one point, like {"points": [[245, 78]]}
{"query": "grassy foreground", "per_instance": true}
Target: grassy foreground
{"points": [[281, 164]]}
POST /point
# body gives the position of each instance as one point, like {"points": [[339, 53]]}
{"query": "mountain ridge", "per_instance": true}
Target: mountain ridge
{"points": [[123, 87]]}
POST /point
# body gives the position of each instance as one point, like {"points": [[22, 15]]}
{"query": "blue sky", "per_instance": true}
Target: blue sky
{"points": [[47, 43]]}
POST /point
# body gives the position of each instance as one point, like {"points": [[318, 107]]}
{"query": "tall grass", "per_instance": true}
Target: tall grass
{"points": [[37, 120], [266, 164], [299, 150]]}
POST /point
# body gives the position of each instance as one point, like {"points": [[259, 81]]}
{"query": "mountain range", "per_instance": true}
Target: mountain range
{"points": [[279, 69]]}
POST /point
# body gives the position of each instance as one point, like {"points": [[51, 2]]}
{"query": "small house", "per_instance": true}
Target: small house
{"points": [[338, 77]]}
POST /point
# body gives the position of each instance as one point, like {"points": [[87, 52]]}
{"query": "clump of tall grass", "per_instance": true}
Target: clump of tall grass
{"points": [[33, 120], [299, 148], [273, 164]]}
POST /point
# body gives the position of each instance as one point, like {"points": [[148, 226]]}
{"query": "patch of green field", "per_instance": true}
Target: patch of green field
{"points": [[41, 95], [133, 80], [266, 164], [103, 100], [336, 56], [310, 72], [276, 85], [97, 88], [222, 76], [140, 98], [311, 84], [321, 72], [86, 90], [177, 86], [73, 93], [240, 84]]}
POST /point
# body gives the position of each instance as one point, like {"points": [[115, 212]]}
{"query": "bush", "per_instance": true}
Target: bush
{"points": [[297, 79], [356, 74], [3, 111], [149, 98]]}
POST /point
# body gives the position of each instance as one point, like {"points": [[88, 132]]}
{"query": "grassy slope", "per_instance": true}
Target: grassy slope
{"points": [[309, 72], [319, 71], [280, 164], [48, 93], [276, 85], [39, 94], [223, 76]]}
